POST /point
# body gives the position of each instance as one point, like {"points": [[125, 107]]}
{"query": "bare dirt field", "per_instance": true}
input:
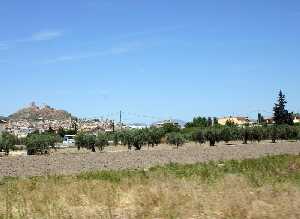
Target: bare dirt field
{"points": [[70, 161]]}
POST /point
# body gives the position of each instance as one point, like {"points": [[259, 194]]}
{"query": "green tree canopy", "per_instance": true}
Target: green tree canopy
{"points": [[7, 141], [198, 122], [281, 115]]}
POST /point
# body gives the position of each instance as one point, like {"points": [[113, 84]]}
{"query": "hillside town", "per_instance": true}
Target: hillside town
{"points": [[44, 118]]}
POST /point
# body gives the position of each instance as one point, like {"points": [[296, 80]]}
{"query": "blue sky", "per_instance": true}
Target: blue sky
{"points": [[159, 58]]}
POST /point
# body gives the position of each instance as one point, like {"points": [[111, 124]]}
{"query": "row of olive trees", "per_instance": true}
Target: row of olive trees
{"points": [[139, 137], [41, 143], [35, 143], [153, 136], [136, 138], [246, 134]]}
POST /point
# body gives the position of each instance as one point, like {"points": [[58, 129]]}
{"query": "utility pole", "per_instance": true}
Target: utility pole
{"points": [[113, 125], [121, 120]]}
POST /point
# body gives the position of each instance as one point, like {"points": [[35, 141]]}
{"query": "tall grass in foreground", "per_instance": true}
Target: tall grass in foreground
{"points": [[258, 188]]}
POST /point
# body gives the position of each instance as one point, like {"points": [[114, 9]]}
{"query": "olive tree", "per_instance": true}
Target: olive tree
{"points": [[40, 143], [245, 135], [226, 134], [153, 136], [86, 141], [257, 134], [7, 141], [175, 138], [101, 141], [273, 133], [212, 135], [199, 136], [138, 139]]}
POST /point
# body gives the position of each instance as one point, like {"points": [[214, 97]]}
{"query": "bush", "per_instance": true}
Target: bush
{"points": [[40, 143], [175, 138]]}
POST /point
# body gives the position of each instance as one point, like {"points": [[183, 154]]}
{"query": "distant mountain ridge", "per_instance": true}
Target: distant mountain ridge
{"points": [[3, 118], [34, 112]]}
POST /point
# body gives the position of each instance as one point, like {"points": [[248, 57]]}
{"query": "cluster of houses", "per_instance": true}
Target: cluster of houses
{"points": [[23, 127], [239, 120], [96, 125]]}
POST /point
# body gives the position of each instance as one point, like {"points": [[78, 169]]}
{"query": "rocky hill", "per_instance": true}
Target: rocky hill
{"points": [[34, 112]]}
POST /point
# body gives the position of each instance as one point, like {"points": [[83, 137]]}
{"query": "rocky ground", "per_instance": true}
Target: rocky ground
{"points": [[70, 163]]}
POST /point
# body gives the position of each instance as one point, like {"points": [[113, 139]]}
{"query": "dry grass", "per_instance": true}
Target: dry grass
{"points": [[156, 193]]}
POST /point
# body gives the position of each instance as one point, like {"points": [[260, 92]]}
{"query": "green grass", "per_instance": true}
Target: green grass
{"points": [[281, 168], [171, 191], [271, 169]]}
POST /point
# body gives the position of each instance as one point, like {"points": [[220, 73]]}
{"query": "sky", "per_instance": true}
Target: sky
{"points": [[151, 59]]}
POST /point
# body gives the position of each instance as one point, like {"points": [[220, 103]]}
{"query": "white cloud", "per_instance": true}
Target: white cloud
{"points": [[118, 50], [46, 35]]}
